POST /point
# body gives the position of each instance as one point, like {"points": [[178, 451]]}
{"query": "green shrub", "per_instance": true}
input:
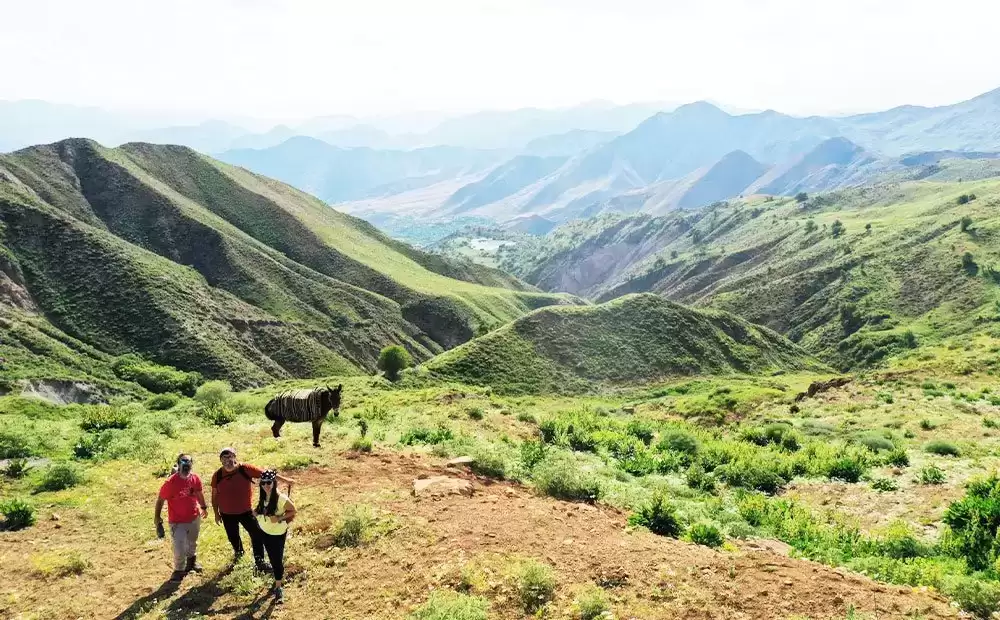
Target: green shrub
{"points": [[680, 442], [424, 435], [876, 443], [927, 425], [658, 516], [58, 477], [393, 360], [931, 474], [837, 229], [219, 415], [526, 417], [779, 434], [355, 527], [942, 448], [105, 417], [991, 423], [16, 444], [446, 605], [92, 445], [155, 377], [162, 402], [535, 585], [899, 542], [16, 469], [974, 520], [885, 397], [697, 478], [641, 430], [753, 474], [18, 514], [561, 477], [489, 461], [591, 604], [976, 596], [474, 413], [706, 534], [362, 444], [532, 453], [214, 394], [898, 457], [846, 468], [884, 485]]}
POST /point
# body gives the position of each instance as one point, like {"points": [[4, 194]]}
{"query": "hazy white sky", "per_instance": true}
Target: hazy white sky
{"points": [[297, 58]]}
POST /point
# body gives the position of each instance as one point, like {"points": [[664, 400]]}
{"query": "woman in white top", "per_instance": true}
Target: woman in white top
{"points": [[274, 512]]}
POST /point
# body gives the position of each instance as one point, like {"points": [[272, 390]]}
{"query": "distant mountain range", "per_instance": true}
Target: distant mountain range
{"points": [[558, 165]]}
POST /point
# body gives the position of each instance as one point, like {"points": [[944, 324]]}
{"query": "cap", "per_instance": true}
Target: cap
{"points": [[223, 451], [269, 475]]}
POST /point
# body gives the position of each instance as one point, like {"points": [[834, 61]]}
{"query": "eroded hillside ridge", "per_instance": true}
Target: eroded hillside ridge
{"points": [[165, 252], [854, 276]]}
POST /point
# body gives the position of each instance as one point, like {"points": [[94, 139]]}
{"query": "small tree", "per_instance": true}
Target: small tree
{"points": [[868, 227], [837, 229], [394, 360], [969, 263], [966, 223], [810, 227], [801, 197], [963, 199]]}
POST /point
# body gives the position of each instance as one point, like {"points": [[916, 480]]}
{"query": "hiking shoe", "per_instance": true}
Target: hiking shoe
{"points": [[263, 567], [193, 565], [279, 596], [177, 576]]}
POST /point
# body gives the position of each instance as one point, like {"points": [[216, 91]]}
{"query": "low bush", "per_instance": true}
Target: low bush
{"points": [[474, 413], [753, 474], [931, 474], [535, 585], [532, 453], [446, 605], [846, 468], [526, 417], [976, 596], [362, 444], [490, 461], [105, 417], [355, 527], [897, 457], [424, 435], [92, 445], [884, 485], [155, 377], [213, 394], [218, 414], [16, 444], [591, 604], [706, 534], [162, 402], [942, 448], [658, 516], [697, 478], [876, 443], [680, 442], [927, 425], [561, 477], [974, 521], [18, 514], [58, 477]]}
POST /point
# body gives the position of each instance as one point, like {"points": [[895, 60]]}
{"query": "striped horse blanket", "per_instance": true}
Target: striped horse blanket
{"points": [[297, 405]]}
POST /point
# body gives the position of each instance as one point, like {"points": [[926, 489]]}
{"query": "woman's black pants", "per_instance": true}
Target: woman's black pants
{"points": [[275, 547]]}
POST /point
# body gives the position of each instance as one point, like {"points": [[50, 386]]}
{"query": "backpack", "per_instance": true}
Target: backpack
{"points": [[217, 476]]}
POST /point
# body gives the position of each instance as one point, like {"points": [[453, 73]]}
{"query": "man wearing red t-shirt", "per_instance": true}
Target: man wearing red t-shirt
{"points": [[183, 494], [232, 496]]}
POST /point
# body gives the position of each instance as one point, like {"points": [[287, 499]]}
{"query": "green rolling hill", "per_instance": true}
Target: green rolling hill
{"points": [[631, 340], [161, 251]]}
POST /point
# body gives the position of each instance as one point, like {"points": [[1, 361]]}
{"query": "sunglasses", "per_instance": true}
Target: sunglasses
{"points": [[263, 482]]}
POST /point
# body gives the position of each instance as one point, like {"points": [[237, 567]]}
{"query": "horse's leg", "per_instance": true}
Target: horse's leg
{"points": [[276, 427], [317, 424]]}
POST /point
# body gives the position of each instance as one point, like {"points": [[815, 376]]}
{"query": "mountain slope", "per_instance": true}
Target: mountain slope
{"points": [[505, 180], [631, 340], [204, 266], [834, 163], [853, 298]]}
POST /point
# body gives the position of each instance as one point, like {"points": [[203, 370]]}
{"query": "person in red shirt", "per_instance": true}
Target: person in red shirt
{"points": [[232, 495], [183, 494]]}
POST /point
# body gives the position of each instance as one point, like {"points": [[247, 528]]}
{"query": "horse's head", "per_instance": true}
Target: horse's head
{"points": [[331, 399]]}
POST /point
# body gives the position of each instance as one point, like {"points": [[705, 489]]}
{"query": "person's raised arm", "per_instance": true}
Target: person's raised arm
{"points": [[287, 481]]}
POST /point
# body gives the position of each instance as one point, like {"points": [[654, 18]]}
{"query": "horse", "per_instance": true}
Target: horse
{"points": [[303, 406]]}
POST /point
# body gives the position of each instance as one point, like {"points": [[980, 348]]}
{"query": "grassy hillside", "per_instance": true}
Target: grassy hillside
{"points": [[162, 251], [855, 276], [634, 339]]}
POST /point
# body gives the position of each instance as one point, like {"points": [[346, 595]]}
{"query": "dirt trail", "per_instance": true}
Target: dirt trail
{"points": [[647, 576]]}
